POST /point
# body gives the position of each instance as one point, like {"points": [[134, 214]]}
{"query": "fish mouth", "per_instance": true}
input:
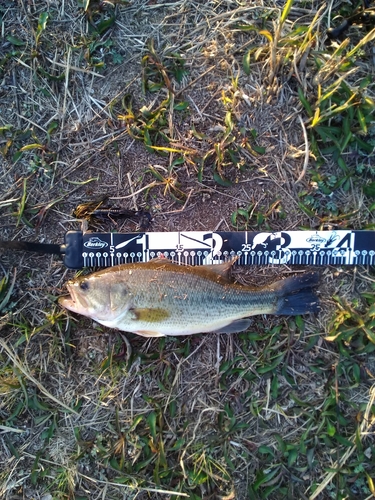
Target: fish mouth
{"points": [[75, 302], [67, 302]]}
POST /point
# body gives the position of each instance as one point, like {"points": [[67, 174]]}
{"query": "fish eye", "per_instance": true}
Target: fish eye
{"points": [[84, 285]]}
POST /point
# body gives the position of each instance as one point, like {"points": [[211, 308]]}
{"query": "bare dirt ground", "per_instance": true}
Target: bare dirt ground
{"points": [[87, 90]]}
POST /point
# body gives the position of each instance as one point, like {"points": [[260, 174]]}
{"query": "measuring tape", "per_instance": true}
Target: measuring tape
{"points": [[310, 248]]}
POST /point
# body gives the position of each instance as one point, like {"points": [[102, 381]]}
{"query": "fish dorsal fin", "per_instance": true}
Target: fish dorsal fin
{"points": [[153, 264], [216, 272], [156, 263], [159, 260], [222, 270]]}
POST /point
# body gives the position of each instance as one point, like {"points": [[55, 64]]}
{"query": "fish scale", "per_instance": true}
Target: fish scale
{"points": [[160, 298], [190, 298]]}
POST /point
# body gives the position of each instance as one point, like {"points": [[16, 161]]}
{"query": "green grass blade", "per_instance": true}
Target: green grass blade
{"points": [[366, 39], [246, 62], [285, 12], [305, 102], [22, 202], [5, 300], [42, 23]]}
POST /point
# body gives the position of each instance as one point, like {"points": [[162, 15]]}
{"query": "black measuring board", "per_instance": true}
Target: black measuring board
{"points": [[341, 247]]}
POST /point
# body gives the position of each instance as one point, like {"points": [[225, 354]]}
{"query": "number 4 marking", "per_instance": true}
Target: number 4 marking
{"points": [[346, 239]]}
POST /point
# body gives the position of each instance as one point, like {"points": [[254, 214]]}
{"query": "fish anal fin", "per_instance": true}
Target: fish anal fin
{"points": [[239, 325]]}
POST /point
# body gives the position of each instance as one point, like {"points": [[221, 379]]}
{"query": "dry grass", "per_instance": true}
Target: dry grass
{"points": [[276, 412]]}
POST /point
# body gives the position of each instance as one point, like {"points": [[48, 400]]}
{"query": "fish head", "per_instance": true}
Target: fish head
{"points": [[98, 297]]}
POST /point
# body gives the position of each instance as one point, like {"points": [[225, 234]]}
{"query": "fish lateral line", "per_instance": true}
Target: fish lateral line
{"points": [[160, 298]]}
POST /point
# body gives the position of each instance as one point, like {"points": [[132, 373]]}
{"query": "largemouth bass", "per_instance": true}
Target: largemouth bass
{"points": [[160, 298]]}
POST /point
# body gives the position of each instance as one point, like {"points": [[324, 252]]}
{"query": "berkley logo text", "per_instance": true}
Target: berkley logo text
{"points": [[95, 243]]}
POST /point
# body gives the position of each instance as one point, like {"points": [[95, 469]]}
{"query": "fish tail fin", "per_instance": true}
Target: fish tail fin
{"points": [[296, 295]]}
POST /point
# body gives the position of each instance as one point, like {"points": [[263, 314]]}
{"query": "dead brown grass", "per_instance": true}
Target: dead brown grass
{"points": [[77, 399]]}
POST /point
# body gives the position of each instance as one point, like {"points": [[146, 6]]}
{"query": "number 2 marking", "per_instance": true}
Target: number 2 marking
{"points": [[216, 244]]}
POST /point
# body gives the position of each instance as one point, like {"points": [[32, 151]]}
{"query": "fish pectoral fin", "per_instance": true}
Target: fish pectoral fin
{"points": [[149, 333], [239, 325]]}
